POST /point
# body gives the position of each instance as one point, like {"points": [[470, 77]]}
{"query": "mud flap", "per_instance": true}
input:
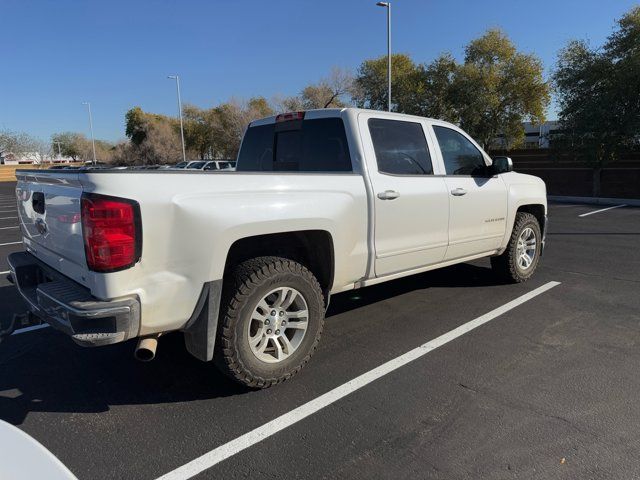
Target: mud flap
{"points": [[201, 329]]}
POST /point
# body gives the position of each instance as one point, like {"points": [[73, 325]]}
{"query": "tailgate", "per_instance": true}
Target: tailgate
{"points": [[49, 212]]}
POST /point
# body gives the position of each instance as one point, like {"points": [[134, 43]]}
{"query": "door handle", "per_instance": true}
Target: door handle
{"points": [[388, 195], [458, 192]]}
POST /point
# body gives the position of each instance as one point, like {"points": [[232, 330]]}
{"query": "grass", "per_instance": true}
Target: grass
{"points": [[8, 172]]}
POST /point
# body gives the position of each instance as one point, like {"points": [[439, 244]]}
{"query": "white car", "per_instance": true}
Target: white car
{"points": [[244, 263], [185, 164], [220, 165], [23, 458]]}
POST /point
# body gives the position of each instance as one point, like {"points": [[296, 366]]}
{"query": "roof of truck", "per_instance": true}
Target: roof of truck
{"points": [[336, 112]]}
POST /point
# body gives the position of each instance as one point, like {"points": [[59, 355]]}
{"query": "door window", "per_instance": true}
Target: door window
{"points": [[461, 157], [401, 148]]}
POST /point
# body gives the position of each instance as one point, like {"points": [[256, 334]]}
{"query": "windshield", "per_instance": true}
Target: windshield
{"points": [[196, 165]]}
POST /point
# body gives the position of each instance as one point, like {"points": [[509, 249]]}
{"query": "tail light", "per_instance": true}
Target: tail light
{"points": [[112, 232]]}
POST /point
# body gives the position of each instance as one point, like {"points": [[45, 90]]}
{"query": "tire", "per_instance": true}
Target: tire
{"points": [[253, 284], [510, 266]]}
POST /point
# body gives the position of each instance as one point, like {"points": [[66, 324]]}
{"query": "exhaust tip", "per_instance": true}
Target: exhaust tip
{"points": [[146, 349]]}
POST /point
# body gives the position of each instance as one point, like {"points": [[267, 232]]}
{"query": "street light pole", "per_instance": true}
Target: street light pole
{"points": [[59, 152], [93, 141], [177, 79], [387, 5]]}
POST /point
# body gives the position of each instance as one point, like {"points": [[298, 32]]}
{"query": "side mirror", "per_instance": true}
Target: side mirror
{"points": [[502, 165]]}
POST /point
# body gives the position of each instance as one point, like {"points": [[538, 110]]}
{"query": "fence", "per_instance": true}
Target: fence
{"points": [[566, 176]]}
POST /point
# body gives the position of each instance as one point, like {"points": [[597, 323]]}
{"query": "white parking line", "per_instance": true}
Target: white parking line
{"points": [[249, 439], [6, 218], [7, 228], [30, 329], [10, 243], [2, 273], [601, 210]]}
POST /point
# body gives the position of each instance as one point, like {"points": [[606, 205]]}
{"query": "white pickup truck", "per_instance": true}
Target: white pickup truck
{"points": [[244, 262]]}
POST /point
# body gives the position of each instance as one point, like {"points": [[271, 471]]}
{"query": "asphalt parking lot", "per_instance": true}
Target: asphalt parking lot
{"points": [[547, 389]]}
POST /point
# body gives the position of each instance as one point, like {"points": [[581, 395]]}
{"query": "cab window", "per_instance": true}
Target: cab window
{"points": [[461, 157], [400, 147]]}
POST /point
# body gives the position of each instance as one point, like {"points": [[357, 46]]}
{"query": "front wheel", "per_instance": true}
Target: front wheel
{"points": [[272, 323], [520, 260]]}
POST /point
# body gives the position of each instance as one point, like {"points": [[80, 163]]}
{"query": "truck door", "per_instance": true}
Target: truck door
{"points": [[411, 204], [477, 201]]}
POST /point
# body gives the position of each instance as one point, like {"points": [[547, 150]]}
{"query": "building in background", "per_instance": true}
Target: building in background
{"points": [[535, 136], [8, 158]]}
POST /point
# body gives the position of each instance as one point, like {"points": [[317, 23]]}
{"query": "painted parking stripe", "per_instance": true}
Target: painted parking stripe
{"points": [[253, 437], [7, 228], [30, 329], [10, 243], [601, 210], [2, 273], [6, 218]]}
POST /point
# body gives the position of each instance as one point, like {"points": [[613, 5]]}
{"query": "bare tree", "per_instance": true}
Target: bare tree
{"points": [[283, 104], [18, 143], [334, 91]]}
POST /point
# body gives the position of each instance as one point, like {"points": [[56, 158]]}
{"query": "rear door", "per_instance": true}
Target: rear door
{"points": [[477, 201], [411, 203]]}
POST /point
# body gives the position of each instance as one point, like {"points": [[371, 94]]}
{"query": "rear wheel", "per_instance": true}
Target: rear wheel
{"points": [[272, 323], [520, 260]]}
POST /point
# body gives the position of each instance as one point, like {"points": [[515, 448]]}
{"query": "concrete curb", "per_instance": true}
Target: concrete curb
{"points": [[595, 200]]}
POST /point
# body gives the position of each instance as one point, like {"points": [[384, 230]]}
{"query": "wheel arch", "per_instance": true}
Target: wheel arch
{"points": [[538, 210], [312, 248]]}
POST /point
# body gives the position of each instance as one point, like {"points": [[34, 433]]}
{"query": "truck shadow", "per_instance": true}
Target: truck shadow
{"points": [[44, 371], [456, 276]]}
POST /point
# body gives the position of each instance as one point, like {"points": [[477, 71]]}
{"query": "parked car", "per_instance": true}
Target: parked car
{"points": [[322, 202], [185, 164], [23, 458], [220, 165], [198, 165]]}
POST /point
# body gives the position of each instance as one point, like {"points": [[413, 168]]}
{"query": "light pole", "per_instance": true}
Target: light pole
{"points": [[93, 141], [387, 5], [59, 152], [177, 79]]}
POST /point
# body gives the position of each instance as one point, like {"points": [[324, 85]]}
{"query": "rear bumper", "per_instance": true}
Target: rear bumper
{"points": [[70, 307]]}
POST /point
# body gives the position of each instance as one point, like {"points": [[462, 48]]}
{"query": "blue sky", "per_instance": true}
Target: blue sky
{"points": [[117, 54]]}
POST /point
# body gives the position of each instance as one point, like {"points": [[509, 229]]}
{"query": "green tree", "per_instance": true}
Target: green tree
{"points": [[497, 88], [435, 98], [71, 144], [259, 107], [599, 96], [198, 130], [406, 81], [230, 121], [137, 123]]}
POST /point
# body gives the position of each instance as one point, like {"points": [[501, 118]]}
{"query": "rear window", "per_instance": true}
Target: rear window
{"points": [[318, 145]]}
